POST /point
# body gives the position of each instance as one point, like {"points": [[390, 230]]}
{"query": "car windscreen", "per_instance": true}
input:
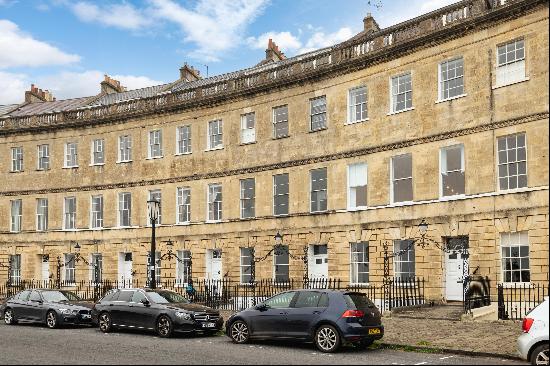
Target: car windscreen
{"points": [[59, 296], [358, 301], [173, 297]]}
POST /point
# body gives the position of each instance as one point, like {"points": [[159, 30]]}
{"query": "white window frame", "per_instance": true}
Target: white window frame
{"points": [[443, 163], [155, 139], [275, 194], [124, 148], [311, 189], [248, 135], [180, 205], [244, 200], [366, 170], [16, 159], [16, 215], [155, 195], [275, 122], [69, 268], [353, 262], [498, 162], [121, 209], [43, 161], [322, 112], [243, 266], [183, 273], [98, 152], [65, 213], [209, 203], [352, 106], [211, 135], [94, 217], [398, 259], [392, 196], [183, 144], [275, 264], [507, 68], [15, 268], [440, 89], [71, 147], [393, 95], [521, 241], [41, 214]]}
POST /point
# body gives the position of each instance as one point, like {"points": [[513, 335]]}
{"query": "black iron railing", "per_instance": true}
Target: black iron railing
{"points": [[516, 300]]}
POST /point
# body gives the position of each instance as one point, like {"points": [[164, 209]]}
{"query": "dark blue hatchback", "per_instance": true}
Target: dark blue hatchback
{"points": [[328, 318]]}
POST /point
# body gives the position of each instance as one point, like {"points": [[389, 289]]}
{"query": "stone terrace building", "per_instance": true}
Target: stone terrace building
{"points": [[442, 118]]}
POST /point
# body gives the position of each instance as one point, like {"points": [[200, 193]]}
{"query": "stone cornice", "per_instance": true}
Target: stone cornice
{"points": [[436, 27], [294, 163]]}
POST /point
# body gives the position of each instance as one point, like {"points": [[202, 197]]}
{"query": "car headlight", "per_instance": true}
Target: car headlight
{"points": [[184, 316], [65, 311]]}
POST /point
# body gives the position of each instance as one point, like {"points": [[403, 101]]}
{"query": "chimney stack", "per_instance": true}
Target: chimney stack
{"points": [[272, 53], [110, 86], [188, 73], [370, 25], [38, 95]]}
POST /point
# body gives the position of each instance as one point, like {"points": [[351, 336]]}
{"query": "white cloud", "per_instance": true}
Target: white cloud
{"points": [[12, 87], [20, 49], [417, 7], [285, 41], [321, 39], [123, 16]]}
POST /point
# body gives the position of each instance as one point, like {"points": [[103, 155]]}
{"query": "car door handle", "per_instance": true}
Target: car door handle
{"points": [[110, 304], [317, 312], [284, 313]]}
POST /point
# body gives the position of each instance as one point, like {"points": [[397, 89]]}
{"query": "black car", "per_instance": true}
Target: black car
{"points": [[163, 311], [328, 318], [51, 307]]}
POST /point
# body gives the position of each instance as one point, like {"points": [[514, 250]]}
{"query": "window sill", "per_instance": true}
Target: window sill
{"points": [[70, 167], [403, 203], [213, 221], [318, 130], [98, 164], [511, 83], [126, 227], [185, 153], [401, 111], [154, 157], [214, 149], [452, 198], [281, 216], [452, 98], [124, 161], [360, 208], [356, 122], [70, 230], [280, 137], [515, 190], [318, 212], [247, 143], [97, 228], [42, 170], [187, 223], [16, 171]]}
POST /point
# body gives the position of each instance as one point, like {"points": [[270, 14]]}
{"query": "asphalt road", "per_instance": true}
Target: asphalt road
{"points": [[34, 344]]}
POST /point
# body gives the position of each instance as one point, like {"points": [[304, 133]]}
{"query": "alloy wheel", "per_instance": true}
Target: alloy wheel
{"points": [[104, 322], [164, 327], [51, 319], [8, 317], [327, 339], [239, 332], [542, 357]]}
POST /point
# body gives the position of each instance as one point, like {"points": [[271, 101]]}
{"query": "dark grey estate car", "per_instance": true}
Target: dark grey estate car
{"points": [[50, 307], [163, 311]]}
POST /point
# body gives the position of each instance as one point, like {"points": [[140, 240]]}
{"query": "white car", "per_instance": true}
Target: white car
{"points": [[533, 344]]}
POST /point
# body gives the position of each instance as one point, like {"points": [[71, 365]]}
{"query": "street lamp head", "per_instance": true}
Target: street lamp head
{"points": [[169, 243], [153, 208], [423, 227], [278, 238], [77, 247]]}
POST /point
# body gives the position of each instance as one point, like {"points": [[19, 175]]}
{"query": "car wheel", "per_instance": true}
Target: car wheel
{"points": [[164, 326], [9, 317], [539, 356], [327, 339], [51, 319], [239, 332], [105, 324]]}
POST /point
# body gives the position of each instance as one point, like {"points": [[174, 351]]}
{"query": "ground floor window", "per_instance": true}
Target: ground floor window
{"points": [[70, 276], [281, 264], [183, 267], [404, 260], [246, 265], [515, 257], [15, 268], [359, 263]]}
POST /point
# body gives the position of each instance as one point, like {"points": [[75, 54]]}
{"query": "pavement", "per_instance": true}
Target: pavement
{"points": [[35, 344]]}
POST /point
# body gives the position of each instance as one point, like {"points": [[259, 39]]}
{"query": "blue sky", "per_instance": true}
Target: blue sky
{"points": [[67, 45]]}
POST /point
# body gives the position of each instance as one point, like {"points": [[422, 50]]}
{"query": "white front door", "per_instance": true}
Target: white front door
{"points": [[45, 268], [454, 270], [214, 264], [125, 269], [318, 261]]}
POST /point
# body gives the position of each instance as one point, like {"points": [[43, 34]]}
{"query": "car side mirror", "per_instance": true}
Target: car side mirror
{"points": [[261, 307], [145, 302]]}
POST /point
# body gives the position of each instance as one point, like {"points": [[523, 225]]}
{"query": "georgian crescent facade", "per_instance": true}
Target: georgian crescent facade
{"points": [[443, 118]]}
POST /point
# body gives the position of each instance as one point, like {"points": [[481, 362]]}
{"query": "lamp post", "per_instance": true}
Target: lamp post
{"points": [[153, 208]]}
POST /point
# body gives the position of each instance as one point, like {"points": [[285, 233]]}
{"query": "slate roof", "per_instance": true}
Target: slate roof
{"points": [[6, 108], [47, 107]]}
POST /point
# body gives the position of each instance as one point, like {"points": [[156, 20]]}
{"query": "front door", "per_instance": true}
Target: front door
{"points": [[455, 259], [45, 268], [318, 261], [214, 265], [125, 270]]}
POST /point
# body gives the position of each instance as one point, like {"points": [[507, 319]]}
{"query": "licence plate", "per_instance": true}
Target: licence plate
{"points": [[208, 325], [86, 316], [374, 331]]}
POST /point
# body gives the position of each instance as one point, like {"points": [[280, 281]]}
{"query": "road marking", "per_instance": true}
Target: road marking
{"points": [[446, 357], [421, 363]]}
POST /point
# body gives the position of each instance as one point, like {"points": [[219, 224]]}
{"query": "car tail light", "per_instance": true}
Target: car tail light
{"points": [[353, 314], [526, 325]]}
